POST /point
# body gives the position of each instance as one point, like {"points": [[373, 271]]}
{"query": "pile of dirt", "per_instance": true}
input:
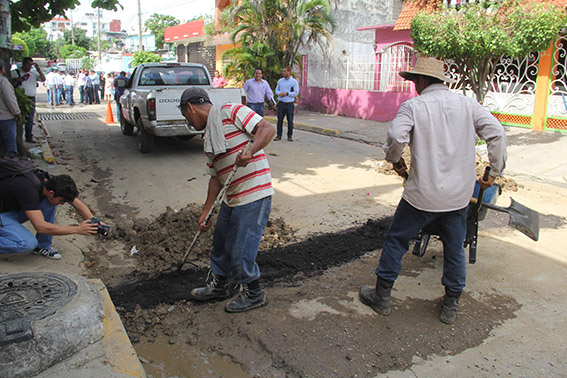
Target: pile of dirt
{"points": [[507, 183], [158, 244]]}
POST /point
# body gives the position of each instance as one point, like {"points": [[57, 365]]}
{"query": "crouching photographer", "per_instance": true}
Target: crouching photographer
{"points": [[35, 197]]}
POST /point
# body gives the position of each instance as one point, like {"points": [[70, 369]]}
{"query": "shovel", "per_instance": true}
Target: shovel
{"points": [[522, 218], [212, 210]]}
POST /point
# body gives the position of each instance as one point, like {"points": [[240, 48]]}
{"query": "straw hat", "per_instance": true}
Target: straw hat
{"points": [[428, 67]]}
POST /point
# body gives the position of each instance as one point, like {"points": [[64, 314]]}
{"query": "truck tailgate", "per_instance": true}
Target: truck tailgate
{"points": [[167, 100]]}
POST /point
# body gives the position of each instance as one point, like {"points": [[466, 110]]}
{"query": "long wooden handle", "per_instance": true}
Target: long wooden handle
{"points": [[218, 200]]}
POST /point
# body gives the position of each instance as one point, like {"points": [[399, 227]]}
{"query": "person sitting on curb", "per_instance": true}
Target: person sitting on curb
{"points": [[245, 210], [441, 128], [23, 199]]}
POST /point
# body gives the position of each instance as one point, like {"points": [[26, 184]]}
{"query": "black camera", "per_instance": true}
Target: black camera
{"points": [[102, 229]]}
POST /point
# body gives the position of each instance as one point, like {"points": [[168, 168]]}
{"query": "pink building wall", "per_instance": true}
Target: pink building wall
{"points": [[376, 106]]}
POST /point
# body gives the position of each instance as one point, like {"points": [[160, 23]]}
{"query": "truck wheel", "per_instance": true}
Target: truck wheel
{"points": [[126, 127], [145, 139]]}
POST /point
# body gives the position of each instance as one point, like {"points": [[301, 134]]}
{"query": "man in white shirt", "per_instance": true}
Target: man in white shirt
{"points": [[441, 128], [28, 77], [51, 84], [60, 87], [69, 85]]}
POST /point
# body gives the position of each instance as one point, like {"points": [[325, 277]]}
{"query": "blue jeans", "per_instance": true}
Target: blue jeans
{"points": [[238, 233], [258, 107], [407, 222], [96, 91], [118, 110], [285, 109], [29, 120], [8, 130], [15, 238], [69, 94]]}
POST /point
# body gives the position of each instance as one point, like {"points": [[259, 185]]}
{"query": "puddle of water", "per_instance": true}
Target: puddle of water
{"points": [[164, 360]]}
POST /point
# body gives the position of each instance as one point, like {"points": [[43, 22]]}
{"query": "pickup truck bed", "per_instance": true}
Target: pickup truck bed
{"points": [[151, 99]]}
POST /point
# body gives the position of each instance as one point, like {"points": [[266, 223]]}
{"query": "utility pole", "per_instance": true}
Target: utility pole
{"points": [[98, 40], [72, 30], [140, 47]]}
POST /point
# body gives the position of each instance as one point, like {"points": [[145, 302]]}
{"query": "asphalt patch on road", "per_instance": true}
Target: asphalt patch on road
{"points": [[290, 263]]}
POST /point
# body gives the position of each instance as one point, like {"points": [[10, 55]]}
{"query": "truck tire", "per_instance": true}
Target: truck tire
{"points": [[145, 139], [126, 127]]}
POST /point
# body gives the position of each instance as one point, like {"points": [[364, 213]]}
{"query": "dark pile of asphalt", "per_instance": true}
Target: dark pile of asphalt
{"points": [[290, 263]]}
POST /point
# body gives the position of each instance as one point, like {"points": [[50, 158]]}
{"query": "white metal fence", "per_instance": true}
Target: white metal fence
{"points": [[371, 72]]}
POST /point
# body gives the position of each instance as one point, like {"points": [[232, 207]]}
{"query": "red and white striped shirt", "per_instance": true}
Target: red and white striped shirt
{"points": [[252, 182]]}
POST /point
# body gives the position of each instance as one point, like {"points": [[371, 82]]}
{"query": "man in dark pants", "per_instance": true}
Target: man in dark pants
{"points": [[441, 128], [27, 77], [286, 90]]}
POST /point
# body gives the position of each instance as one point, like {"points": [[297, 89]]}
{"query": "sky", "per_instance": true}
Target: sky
{"points": [[182, 10]]}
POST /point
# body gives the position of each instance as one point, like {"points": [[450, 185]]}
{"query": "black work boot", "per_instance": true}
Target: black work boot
{"points": [[218, 288], [251, 297], [450, 307], [377, 298]]}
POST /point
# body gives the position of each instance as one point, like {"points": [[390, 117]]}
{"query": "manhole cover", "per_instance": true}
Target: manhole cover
{"points": [[26, 297], [65, 116]]}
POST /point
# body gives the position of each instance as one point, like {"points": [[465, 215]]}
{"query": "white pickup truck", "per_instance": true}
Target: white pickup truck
{"points": [[151, 99]]}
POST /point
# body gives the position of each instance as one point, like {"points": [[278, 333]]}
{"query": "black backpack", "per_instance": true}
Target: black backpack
{"points": [[12, 165]]}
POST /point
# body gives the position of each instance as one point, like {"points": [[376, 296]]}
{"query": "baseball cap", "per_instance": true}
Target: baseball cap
{"points": [[194, 95]]}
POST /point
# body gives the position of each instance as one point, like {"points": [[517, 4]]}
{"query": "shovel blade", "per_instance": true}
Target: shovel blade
{"points": [[524, 219]]}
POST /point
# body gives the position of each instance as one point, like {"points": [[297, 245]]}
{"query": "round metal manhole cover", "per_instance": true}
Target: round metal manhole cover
{"points": [[26, 297]]}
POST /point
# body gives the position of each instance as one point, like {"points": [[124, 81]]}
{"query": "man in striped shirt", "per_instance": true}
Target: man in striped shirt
{"points": [[246, 206]]}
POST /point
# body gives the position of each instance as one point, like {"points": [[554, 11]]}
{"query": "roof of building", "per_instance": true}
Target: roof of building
{"points": [[412, 7], [184, 31]]}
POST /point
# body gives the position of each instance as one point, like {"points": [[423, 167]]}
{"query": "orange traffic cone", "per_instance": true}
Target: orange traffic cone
{"points": [[109, 117]]}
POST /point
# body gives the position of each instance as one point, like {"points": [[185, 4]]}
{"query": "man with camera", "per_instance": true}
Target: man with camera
{"points": [[35, 197]]}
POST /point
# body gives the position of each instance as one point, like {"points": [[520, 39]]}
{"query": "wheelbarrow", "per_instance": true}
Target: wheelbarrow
{"points": [[522, 218]]}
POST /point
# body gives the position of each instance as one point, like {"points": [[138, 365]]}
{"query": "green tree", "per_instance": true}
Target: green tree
{"points": [[478, 34], [157, 24], [79, 38], [32, 13], [36, 39], [88, 63], [19, 55], [144, 57], [269, 34], [73, 52]]}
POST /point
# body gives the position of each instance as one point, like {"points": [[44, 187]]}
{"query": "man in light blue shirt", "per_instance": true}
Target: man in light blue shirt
{"points": [[256, 89], [287, 89]]}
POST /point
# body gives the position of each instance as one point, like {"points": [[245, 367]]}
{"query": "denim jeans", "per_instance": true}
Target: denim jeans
{"points": [[285, 109], [29, 120], [96, 91], [8, 130], [257, 107], [238, 233], [53, 95], [15, 238], [69, 94], [118, 110], [407, 222]]}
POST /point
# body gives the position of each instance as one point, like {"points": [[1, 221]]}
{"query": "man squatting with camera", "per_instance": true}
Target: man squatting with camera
{"points": [[23, 199], [245, 210]]}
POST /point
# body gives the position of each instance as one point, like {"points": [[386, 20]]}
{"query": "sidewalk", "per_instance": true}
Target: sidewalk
{"points": [[535, 155]]}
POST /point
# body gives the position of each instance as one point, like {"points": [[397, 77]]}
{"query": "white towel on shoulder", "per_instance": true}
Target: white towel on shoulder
{"points": [[214, 139]]}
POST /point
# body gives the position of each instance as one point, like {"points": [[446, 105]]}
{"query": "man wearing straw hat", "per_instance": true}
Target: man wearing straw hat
{"points": [[441, 128]]}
